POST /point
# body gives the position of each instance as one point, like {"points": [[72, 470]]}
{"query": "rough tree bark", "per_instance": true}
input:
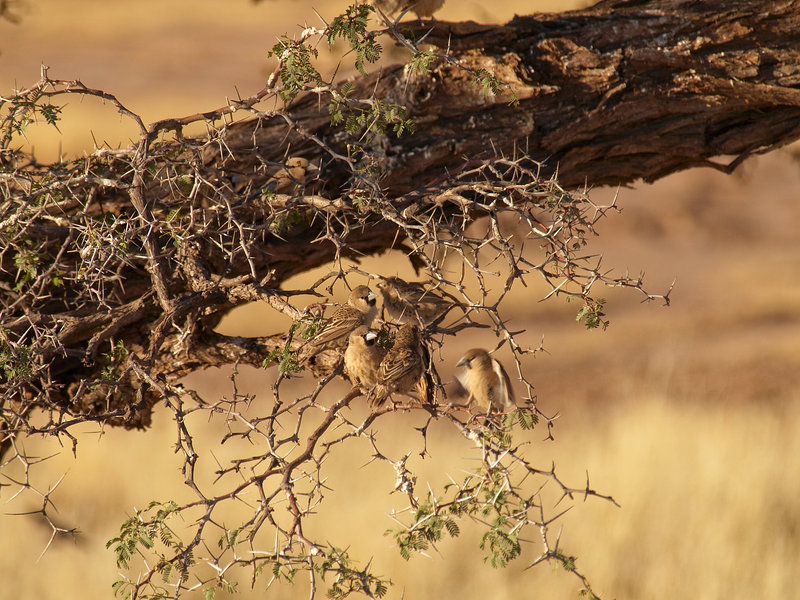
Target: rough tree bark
{"points": [[608, 95], [622, 91]]}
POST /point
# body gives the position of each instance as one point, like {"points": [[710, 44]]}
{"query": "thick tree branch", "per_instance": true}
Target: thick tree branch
{"points": [[607, 95]]}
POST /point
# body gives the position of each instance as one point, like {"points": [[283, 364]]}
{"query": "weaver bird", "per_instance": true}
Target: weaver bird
{"points": [[363, 357], [486, 381], [360, 310], [403, 368], [406, 302], [288, 178], [423, 8]]}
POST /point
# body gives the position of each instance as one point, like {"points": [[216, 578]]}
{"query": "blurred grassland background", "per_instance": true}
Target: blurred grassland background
{"points": [[688, 416]]}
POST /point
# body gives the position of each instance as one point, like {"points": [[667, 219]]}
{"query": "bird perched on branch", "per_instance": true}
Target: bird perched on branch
{"points": [[403, 368], [486, 381], [414, 302], [361, 309], [363, 357], [423, 8], [290, 177]]}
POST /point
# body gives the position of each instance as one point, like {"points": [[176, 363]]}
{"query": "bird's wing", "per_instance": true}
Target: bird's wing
{"points": [[397, 364], [341, 323], [463, 379], [426, 386], [504, 385]]}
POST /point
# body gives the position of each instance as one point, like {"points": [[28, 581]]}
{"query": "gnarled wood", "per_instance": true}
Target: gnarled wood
{"points": [[607, 95]]}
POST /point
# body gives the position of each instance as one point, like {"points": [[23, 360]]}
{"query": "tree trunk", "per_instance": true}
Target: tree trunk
{"points": [[607, 95]]}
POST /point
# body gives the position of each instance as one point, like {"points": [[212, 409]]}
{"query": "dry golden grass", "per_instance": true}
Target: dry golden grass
{"points": [[707, 493], [688, 416]]}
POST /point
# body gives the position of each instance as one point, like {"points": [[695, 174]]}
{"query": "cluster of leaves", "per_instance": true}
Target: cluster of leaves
{"points": [[21, 112], [15, 360], [297, 73], [114, 359], [142, 533], [26, 260], [353, 27], [286, 356], [347, 579], [286, 221], [591, 313], [486, 496], [297, 69], [375, 119]]}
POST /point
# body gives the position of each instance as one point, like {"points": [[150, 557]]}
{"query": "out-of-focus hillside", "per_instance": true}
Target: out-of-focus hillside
{"points": [[689, 415]]}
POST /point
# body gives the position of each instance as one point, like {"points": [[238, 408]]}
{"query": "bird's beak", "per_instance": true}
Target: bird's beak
{"points": [[371, 298], [371, 335], [463, 363]]}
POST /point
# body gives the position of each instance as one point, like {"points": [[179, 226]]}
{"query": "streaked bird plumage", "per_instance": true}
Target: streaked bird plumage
{"points": [[361, 309], [412, 302], [403, 366]]}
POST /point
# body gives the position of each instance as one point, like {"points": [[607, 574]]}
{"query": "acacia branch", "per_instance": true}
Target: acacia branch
{"points": [[606, 95], [116, 269]]}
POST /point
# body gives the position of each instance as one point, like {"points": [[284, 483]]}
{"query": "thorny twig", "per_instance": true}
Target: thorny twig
{"points": [[105, 309]]}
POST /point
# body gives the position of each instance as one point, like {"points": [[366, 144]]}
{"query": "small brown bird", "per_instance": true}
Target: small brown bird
{"points": [[402, 367], [423, 8], [289, 178], [361, 309], [413, 302], [486, 381], [363, 357]]}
